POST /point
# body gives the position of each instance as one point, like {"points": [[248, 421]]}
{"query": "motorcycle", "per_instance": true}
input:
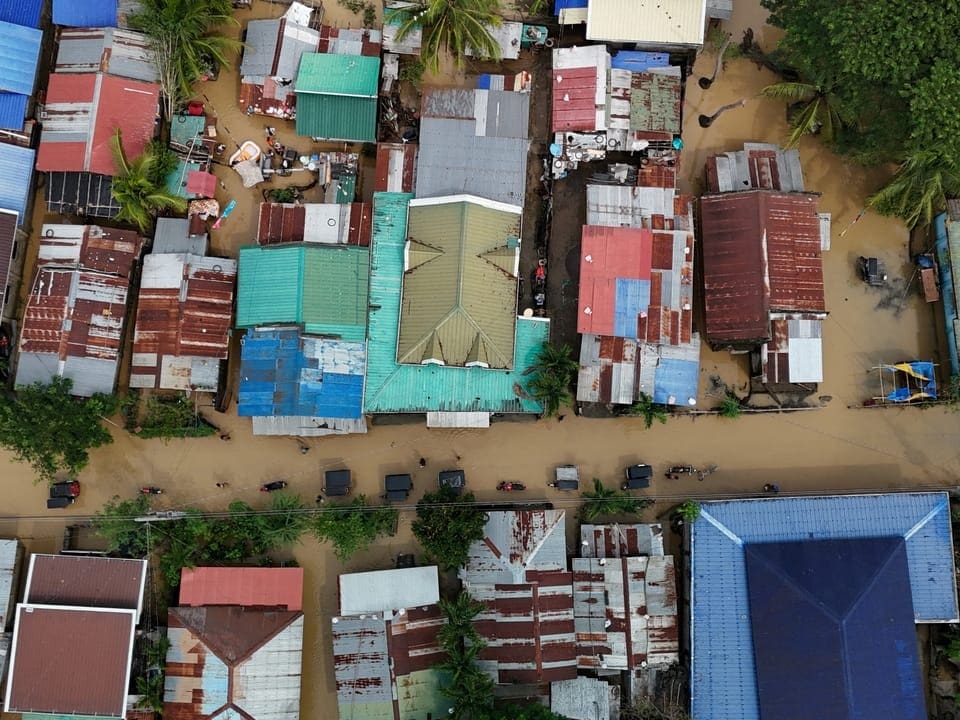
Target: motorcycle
{"points": [[273, 486], [674, 472], [151, 491], [771, 488], [510, 486]]}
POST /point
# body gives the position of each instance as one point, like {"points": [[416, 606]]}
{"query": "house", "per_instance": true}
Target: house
{"points": [[18, 71], [806, 607], [350, 41], [643, 107], [396, 167], [80, 193], [580, 89], [615, 541], [83, 111], [236, 650], [88, 14], [271, 57], [473, 142], [385, 647], [635, 305], [74, 319], [184, 313], [759, 166], [325, 223], [16, 202], [678, 25], [519, 572], [463, 394], [337, 97], [123, 53], [85, 609], [304, 355]]}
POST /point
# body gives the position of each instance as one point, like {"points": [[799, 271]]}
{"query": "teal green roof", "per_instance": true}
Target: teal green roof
{"points": [[394, 388], [177, 179], [322, 288], [337, 117], [330, 74]]}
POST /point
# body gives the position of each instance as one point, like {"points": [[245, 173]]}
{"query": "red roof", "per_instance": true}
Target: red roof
{"points": [[82, 113], [574, 99], [761, 253], [201, 183], [396, 167], [248, 587], [608, 253]]}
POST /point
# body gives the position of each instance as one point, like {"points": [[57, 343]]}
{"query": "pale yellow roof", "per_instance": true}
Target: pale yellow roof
{"points": [[650, 23], [459, 302]]}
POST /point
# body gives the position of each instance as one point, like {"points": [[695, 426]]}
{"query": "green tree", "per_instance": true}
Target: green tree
{"points": [[185, 39], [606, 501], [286, 522], [470, 689], [919, 189], [646, 408], [551, 391], [135, 189], [446, 525], [115, 523], [452, 25], [353, 526], [688, 510], [731, 407], [816, 109], [172, 416], [45, 426]]}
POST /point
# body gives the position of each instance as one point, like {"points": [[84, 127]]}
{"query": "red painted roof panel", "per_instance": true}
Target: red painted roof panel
{"points": [[608, 253], [247, 587], [574, 99]]}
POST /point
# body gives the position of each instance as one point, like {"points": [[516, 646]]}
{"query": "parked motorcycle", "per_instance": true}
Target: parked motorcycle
{"points": [[771, 488], [273, 486], [510, 486], [151, 491], [674, 472]]}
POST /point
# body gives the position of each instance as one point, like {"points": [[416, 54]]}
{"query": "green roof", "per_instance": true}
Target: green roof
{"points": [[655, 103], [336, 117], [395, 388], [330, 74], [322, 288], [459, 301]]}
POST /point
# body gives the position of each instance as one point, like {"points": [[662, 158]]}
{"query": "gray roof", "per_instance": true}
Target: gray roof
{"points": [[758, 166], [89, 375], [296, 41], [260, 50], [173, 236], [585, 698], [117, 52], [307, 426]]}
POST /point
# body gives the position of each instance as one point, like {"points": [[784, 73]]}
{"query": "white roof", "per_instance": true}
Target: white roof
{"points": [[388, 590], [660, 24]]}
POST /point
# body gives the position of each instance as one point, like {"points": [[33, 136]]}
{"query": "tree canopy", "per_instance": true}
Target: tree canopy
{"points": [[452, 25], [446, 525], [353, 526], [50, 429], [553, 373], [140, 186]]}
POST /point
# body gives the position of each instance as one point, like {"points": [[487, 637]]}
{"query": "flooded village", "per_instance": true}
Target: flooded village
{"points": [[354, 302]]}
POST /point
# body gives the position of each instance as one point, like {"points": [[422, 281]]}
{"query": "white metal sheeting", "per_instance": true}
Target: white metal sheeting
{"points": [[388, 590], [677, 23]]}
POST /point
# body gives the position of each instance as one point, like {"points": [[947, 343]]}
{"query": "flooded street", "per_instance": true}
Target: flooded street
{"points": [[829, 448]]}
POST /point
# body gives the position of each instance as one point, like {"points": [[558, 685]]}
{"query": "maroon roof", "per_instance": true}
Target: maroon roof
{"points": [[329, 40], [70, 661], [201, 183], [96, 582], [286, 223], [761, 252], [574, 99], [93, 247], [8, 239]]}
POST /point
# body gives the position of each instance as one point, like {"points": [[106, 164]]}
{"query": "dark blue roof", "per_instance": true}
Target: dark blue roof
{"points": [[21, 12], [833, 630], [559, 5], [85, 13], [13, 109]]}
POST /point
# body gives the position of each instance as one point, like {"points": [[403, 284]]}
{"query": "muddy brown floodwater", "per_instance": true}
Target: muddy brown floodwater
{"points": [[831, 448]]}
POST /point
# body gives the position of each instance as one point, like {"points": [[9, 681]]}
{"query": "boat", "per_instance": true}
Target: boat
{"points": [[248, 151]]}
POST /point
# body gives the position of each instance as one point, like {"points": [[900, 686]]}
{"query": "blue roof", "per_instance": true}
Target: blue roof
{"points": [[833, 630], [13, 110], [559, 5], [85, 13], [16, 177], [286, 374], [639, 61], [21, 12], [723, 669], [396, 388], [676, 381], [19, 50]]}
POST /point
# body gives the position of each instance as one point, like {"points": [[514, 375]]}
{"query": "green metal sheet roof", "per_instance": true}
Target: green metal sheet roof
{"points": [[337, 117], [323, 288], [655, 103], [459, 301], [331, 74], [395, 388]]}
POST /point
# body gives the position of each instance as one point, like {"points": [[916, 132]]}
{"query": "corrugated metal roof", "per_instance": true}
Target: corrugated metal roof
{"points": [[233, 662], [322, 287], [116, 52], [761, 253], [507, 36], [83, 111], [580, 88], [517, 542], [329, 74], [8, 241], [396, 167], [16, 177], [11, 557], [350, 41], [304, 426], [459, 301], [285, 374], [19, 51], [393, 388], [759, 166], [325, 223], [655, 102], [260, 49], [614, 279], [90, 247], [88, 13], [248, 587], [586, 698], [723, 669], [84, 194], [383, 591], [795, 351], [613, 541], [23, 12], [95, 582], [337, 117], [679, 23], [13, 110]]}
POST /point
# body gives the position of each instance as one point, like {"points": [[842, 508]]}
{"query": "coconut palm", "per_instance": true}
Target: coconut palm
{"points": [[184, 42], [136, 190], [605, 501], [646, 408], [919, 189], [819, 109], [557, 360], [454, 25], [553, 392]]}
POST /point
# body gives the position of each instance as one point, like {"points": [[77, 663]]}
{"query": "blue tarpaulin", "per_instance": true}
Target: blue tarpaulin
{"points": [[13, 109], [85, 13], [638, 61], [21, 12]]}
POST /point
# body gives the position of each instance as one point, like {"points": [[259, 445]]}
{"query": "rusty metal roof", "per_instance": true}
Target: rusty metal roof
{"points": [[396, 167], [625, 612], [759, 166], [613, 541], [326, 223], [95, 582], [97, 646], [761, 253], [109, 50], [350, 41], [248, 587], [795, 351], [90, 247], [184, 315]]}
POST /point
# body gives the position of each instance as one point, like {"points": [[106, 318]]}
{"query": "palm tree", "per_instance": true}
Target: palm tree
{"points": [[552, 391], [646, 408], [556, 359], [819, 110], [184, 42], [605, 501], [919, 189], [454, 25], [135, 188]]}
